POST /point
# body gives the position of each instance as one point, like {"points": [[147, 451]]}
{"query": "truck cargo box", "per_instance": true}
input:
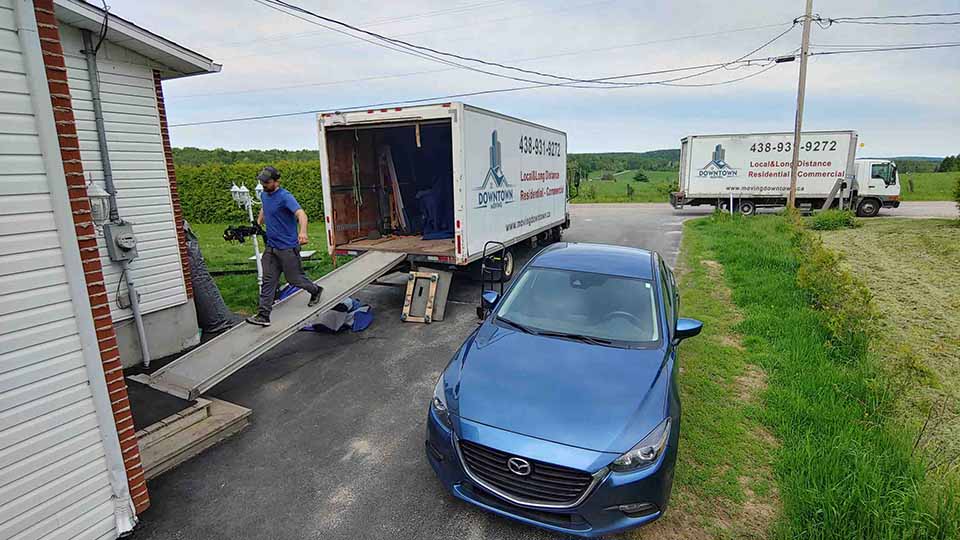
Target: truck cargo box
{"points": [[438, 181]]}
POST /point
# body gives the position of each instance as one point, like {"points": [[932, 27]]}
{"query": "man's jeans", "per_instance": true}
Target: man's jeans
{"points": [[275, 261]]}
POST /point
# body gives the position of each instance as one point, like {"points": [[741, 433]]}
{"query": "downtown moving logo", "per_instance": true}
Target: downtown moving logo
{"points": [[495, 191], [718, 166]]}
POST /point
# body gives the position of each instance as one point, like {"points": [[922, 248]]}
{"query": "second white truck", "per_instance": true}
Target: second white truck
{"points": [[753, 170]]}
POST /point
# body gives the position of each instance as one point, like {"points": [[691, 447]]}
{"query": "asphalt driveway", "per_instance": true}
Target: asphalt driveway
{"points": [[335, 448]]}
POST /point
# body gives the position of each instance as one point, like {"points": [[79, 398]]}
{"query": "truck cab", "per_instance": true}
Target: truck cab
{"points": [[878, 186]]}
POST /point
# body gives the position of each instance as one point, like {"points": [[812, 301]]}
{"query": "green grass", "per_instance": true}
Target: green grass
{"points": [[845, 468], [657, 189], [928, 186], [239, 290], [724, 483]]}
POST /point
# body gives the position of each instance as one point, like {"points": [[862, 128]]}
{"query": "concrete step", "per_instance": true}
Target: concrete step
{"points": [[181, 436]]}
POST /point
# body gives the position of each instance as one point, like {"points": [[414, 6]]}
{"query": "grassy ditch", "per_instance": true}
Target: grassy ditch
{"points": [[910, 267], [236, 276], [845, 468]]}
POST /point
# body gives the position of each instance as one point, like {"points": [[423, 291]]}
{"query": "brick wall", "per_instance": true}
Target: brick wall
{"points": [[172, 176], [87, 239]]}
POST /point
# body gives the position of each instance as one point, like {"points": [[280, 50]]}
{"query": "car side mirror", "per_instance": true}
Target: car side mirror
{"points": [[686, 328], [488, 300]]}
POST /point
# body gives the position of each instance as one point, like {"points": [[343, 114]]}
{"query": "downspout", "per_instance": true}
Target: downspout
{"points": [[90, 52], [125, 517]]}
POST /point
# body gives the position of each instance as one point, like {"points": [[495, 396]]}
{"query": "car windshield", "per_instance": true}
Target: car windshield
{"points": [[583, 305]]}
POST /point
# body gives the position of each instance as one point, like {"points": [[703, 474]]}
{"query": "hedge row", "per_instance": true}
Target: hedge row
{"points": [[205, 189]]}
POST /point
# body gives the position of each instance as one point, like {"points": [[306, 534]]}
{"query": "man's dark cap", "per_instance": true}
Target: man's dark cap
{"points": [[268, 173]]}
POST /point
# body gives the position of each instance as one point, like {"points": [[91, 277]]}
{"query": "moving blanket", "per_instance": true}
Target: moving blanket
{"points": [[350, 313], [436, 204]]}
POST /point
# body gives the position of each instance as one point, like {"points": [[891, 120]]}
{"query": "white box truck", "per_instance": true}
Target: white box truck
{"points": [[753, 170], [439, 182]]}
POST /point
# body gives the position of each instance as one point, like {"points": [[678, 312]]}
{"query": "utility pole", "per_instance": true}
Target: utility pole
{"points": [[801, 90]]}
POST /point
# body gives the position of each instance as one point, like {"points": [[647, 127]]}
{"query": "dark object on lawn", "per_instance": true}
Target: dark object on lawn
{"points": [[213, 315], [239, 233]]}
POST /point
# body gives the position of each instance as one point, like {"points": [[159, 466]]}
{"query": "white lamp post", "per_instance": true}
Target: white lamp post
{"points": [[241, 195]]}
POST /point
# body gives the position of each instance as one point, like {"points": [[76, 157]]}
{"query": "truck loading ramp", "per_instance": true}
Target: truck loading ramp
{"points": [[203, 368]]}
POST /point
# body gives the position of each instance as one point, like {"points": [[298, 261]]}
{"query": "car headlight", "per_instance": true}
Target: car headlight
{"points": [[646, 452], [439, 405]]}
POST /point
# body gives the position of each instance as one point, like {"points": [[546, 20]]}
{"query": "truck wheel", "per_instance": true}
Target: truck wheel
{"points": [[868, 208], [748, 208], [508, 265], [476, 272]]}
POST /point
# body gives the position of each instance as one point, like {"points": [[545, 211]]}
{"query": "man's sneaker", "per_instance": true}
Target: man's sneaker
{"points": [[259, 320], [315, 297]]}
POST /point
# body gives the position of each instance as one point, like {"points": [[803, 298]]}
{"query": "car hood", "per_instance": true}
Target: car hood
{"points": [[594, 397]]}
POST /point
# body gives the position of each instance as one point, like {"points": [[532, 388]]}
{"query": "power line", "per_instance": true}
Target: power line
{"points": [[876, 45], [770, 66], [403, 47], [531, 87], [886, 20], [430, 50], [372, 22], [473, 24], [885, 49], [432, 71], [912, 16], [466, 94]]}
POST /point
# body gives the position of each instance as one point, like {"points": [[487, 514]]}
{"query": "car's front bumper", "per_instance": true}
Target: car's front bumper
{"points": [[597, 515]]}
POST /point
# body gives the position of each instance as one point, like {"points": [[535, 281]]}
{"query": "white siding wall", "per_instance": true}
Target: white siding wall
{"points": [[139, 170], [53, 472]]}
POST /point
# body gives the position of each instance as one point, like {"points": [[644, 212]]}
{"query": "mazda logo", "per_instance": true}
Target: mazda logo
{"points": [[519, 466]]}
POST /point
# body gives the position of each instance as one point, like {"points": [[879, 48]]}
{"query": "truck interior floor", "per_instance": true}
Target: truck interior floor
{"points": [[404, 244]]}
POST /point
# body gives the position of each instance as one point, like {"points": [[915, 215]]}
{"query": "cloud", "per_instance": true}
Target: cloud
{"points": [[901, 103]]}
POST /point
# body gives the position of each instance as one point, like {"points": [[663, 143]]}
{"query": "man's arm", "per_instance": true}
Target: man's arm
{"points": [[302, 222], [260, 217]]}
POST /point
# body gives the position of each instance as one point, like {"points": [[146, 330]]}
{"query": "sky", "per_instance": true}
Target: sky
{"points": [[900, 103]]}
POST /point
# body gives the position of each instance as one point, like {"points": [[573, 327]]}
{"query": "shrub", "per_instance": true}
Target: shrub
{"points": [[830, 220], [590, 192], [641, 177], [845, 301], [205, 189], [608, 177]]}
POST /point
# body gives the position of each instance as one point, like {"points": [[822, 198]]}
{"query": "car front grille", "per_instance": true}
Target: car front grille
{"points": [[546, 485]]}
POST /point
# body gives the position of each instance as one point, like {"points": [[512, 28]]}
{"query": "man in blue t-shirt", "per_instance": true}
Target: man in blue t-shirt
{"points": [[286, 232]]}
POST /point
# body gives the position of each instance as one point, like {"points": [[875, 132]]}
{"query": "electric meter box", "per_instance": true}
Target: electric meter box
{"points": [[120, 240]]}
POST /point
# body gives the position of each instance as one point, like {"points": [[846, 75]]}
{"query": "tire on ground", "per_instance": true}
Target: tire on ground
{"points": [[868, 207]]}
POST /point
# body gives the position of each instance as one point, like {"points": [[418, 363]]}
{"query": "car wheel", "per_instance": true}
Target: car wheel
{"points": [[868, 208], [748, 208]]}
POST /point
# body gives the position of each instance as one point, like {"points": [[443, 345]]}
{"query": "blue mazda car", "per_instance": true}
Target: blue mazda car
{"points": [[562, 410]]}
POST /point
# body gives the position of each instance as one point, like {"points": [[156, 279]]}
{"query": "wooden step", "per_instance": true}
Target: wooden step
{"points": [[176, 439], [173, 424]]}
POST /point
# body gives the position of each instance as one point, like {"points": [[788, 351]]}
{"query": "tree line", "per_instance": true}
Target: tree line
{"points": [[949, 164], [656, 160]]}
